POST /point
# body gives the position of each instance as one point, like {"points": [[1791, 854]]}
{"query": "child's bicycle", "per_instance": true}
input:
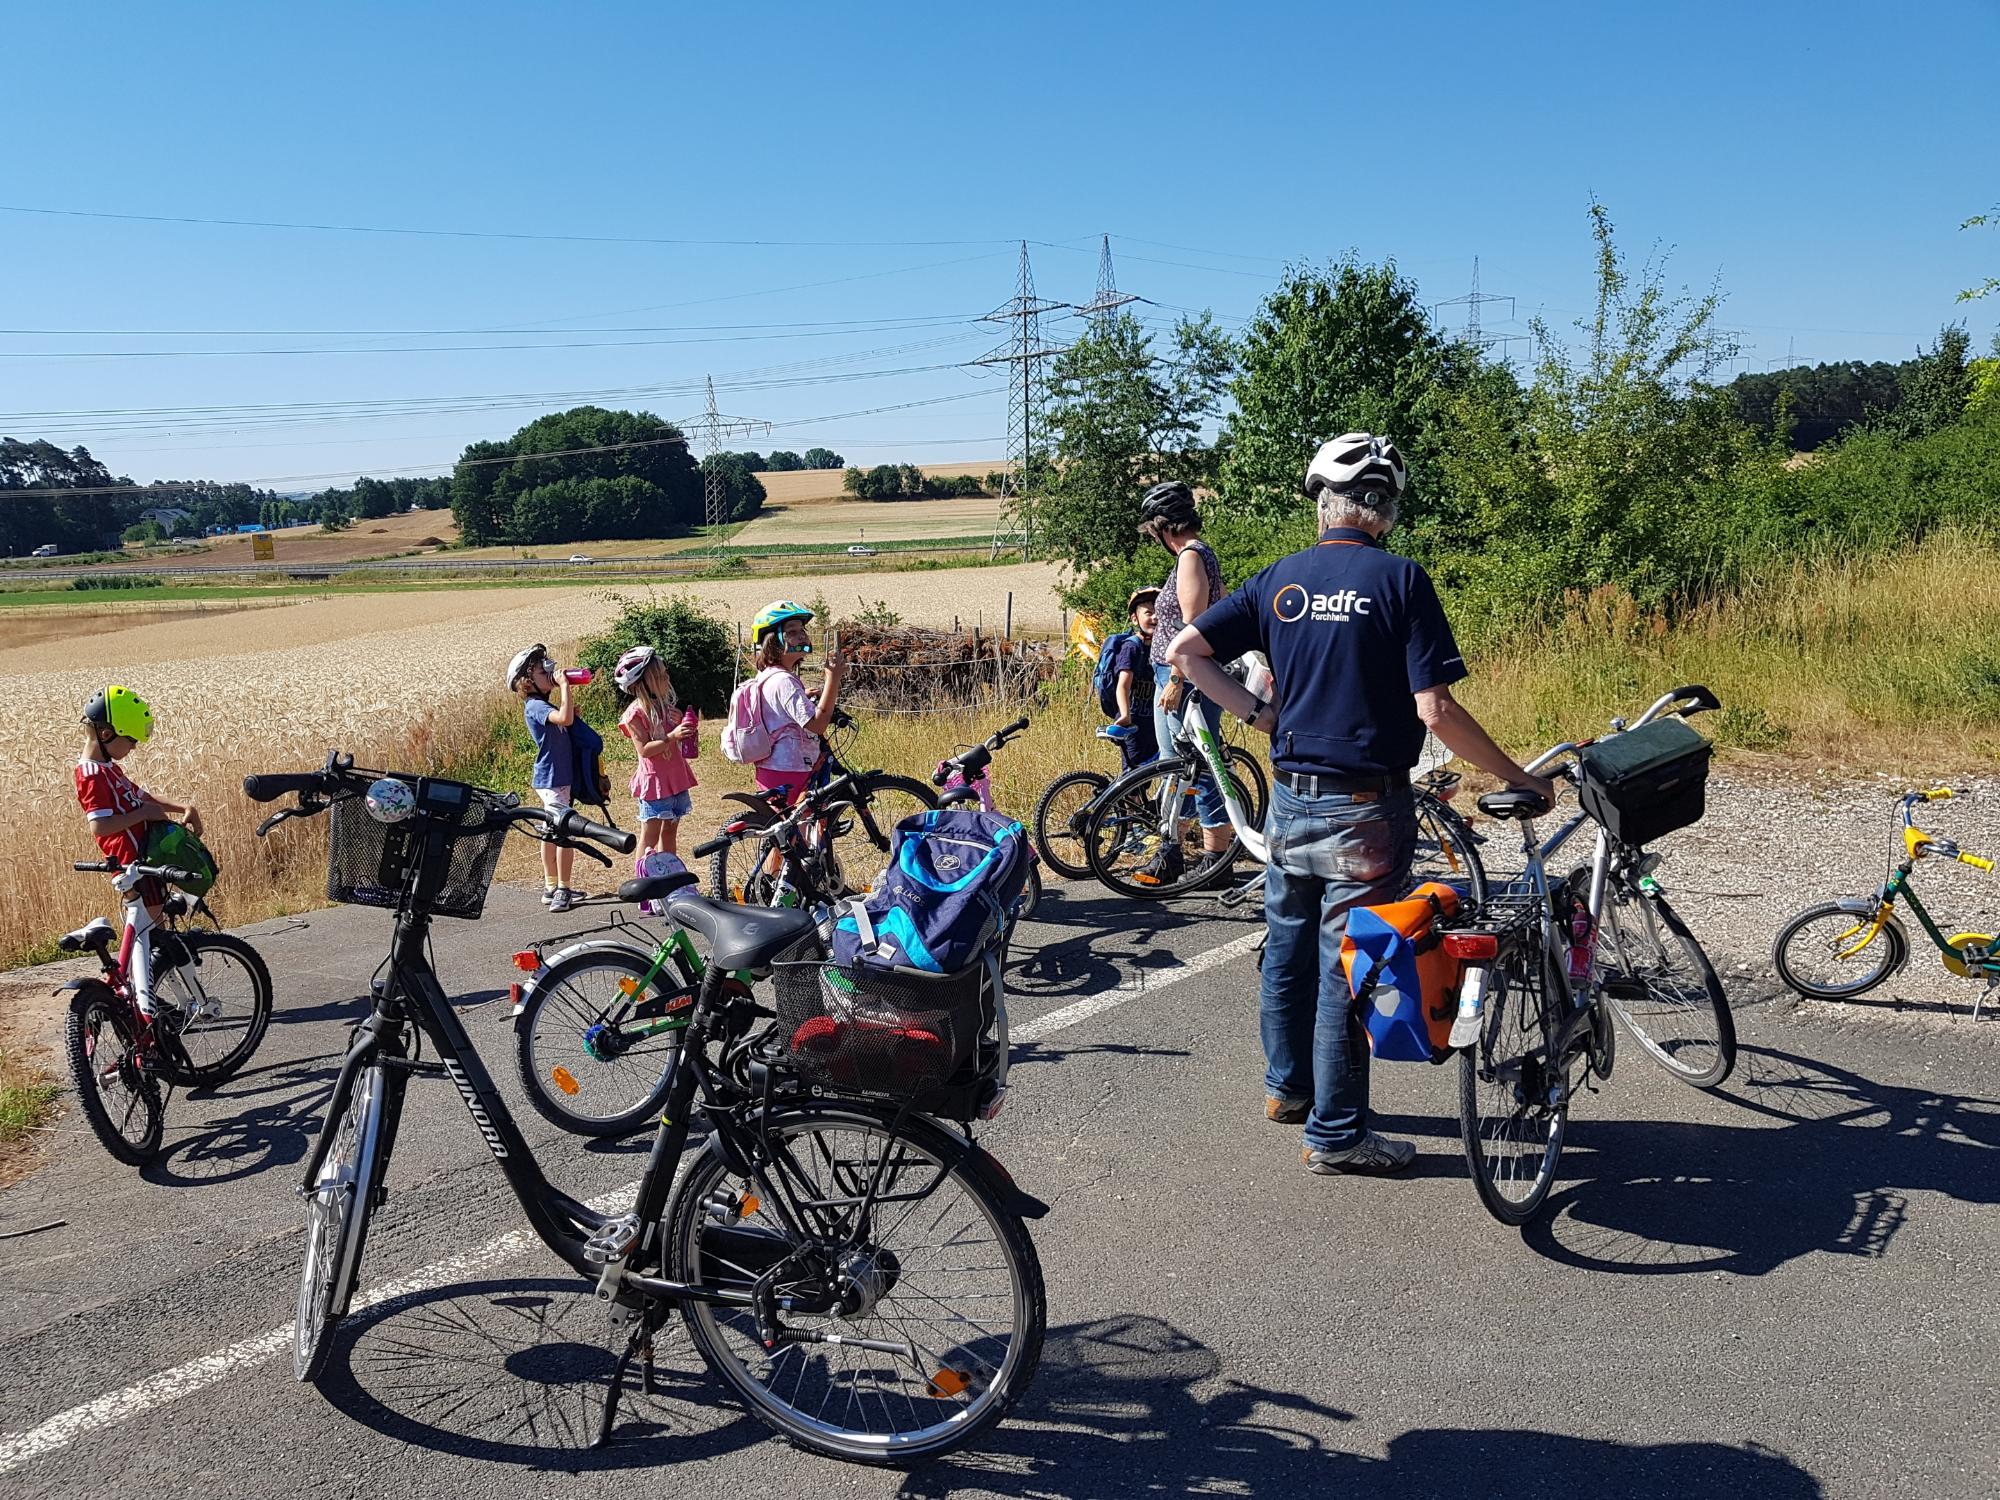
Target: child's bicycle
{"points": [[1839, 949], [965, 778], [175, 1007]]}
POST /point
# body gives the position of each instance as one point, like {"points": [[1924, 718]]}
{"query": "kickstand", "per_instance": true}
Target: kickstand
{"points": [[646, 1367], [641, 1340]]}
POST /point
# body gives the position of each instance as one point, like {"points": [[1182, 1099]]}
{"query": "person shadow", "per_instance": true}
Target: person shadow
{"points": [[1835, 1175], [515, 1372]]}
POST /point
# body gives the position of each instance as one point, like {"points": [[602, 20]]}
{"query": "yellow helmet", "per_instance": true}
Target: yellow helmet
{"points": [[122, 711]]}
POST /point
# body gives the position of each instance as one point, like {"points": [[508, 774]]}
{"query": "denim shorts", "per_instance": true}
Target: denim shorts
{"points": [[667, 809]]}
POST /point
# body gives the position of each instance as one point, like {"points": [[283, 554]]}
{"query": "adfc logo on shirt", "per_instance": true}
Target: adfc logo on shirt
{"points": [[1294, 601]]}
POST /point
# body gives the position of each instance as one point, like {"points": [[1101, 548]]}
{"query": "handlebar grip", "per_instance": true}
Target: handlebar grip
{"points": [[1977, 861], [1014, 728], [270, 788], [573, 825], [703, 851], [1939, 794], [99, 867], [1704, 700]]}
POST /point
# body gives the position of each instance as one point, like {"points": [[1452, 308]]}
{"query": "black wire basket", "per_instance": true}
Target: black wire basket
{"points": [[440, 859], [896, 1035]]}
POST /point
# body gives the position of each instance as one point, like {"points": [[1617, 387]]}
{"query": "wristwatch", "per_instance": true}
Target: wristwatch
{"points": [[1255, 713]]}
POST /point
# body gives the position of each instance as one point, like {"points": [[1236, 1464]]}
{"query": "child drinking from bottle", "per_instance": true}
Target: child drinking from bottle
{"points": [[665, 737]]}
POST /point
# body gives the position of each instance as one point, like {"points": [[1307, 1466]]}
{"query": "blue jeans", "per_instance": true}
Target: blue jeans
{"points": [[1207, 795], [1328, 854]]}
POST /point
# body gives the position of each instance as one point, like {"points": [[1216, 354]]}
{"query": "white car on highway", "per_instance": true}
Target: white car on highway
{"points": [[860, 549], [581, 557]]}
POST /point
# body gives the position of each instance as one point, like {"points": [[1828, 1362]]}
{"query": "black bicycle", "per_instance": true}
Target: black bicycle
{"points": [[854, 1270], [851, 815]]}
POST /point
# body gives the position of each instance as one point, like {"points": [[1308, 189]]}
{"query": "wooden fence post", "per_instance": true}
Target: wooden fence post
{"points": [[1009, 628]]}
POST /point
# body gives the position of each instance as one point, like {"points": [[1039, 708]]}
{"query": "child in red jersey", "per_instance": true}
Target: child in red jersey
{"points": [[118, 810]]}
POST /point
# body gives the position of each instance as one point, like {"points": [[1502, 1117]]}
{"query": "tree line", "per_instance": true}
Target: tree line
{"points": [[908, 482]]}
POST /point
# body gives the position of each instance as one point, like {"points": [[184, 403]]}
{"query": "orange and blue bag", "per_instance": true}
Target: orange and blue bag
{"points": [[1405, 985]]}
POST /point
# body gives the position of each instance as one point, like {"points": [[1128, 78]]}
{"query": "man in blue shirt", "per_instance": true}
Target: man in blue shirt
{"points": [[1362, 660]]}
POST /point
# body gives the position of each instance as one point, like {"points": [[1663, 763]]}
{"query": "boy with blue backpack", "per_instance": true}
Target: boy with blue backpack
{"points": [[1124, 683]]}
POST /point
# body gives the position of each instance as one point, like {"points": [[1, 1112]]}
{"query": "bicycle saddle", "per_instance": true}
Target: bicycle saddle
{"points": [[1514, 802], [654, 887], [99, 933], [740, 937]]}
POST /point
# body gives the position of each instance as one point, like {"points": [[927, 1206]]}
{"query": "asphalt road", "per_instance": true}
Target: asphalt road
{"points": [[1784, 1289]]}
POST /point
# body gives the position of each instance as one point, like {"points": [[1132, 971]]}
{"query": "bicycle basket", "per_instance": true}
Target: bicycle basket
{"points": [[904, 1036], [1647, 782], [443, 855]]}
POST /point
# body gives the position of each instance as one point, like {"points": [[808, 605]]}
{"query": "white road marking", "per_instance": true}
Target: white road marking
{"points": [[149, 1395]]}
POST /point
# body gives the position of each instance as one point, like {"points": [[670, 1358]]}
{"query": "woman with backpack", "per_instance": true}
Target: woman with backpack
{"points": [[774, 723]]}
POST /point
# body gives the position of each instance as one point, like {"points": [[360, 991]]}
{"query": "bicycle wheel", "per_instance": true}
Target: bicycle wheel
{"points": [[213, 992], [936, 1264], [1142, 849], [1660, 984], [736, 872], [1445, 850], [337, 1212], [593, 1055], [1059, 820], [1248, 772], [1512, 1106], [121, 1098], [1826, 952]]}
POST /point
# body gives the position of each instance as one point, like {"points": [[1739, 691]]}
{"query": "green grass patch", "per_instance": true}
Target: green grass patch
{"points": [[26, 1099]]}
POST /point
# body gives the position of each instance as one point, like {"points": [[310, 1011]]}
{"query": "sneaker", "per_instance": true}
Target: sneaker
{"points": [[1215, 863], [559, 899], [1164, 868], [1286, 1111], [548, 894], [1371, 1156]]}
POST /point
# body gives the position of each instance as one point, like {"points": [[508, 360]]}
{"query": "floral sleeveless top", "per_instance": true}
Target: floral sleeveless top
{"points": [[1167, 608]]}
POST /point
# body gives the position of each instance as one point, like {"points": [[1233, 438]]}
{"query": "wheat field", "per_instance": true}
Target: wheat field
{"points": [[404, 679]]}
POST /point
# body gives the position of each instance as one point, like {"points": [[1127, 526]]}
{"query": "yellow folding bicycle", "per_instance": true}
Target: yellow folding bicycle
{"points": [[1839, 949]]}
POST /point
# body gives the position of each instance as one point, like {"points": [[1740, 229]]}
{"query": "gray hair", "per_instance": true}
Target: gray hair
{"points": [[1336, 509]]}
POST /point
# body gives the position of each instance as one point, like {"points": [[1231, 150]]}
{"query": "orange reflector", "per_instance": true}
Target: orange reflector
{"points": [[564, 1081], [628, 986], [948, 1382], [514, 995], [527, 961], [750, 1204], [1474, 945], [736, 894]]}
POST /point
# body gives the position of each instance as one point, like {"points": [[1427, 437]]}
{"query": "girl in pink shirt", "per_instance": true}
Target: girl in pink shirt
{"points": [[664, 738]]}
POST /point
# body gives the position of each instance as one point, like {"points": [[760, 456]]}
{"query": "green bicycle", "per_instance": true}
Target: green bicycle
{"points": [[1837, 950]]}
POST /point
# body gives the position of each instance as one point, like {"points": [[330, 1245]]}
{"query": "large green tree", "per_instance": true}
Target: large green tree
{"points": [[742, 491], [590, 452], [74, 525], [1344, 349], [1121, 417]]}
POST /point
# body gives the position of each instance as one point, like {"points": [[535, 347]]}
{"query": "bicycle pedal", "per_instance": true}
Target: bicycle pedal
{"points": [[613, 1242]]}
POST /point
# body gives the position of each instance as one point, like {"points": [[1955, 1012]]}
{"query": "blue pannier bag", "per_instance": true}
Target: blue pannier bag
{"points": [[1405, 985], [952, 878]]}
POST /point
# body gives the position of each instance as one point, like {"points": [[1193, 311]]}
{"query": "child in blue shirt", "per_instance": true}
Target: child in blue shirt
{"points": [[534, 677]]}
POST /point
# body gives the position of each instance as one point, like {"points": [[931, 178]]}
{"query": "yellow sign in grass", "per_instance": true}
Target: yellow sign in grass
{"points": [[261, 549]]}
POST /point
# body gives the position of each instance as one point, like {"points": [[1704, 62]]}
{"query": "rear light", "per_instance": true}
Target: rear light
{"points": [[528, 961], [1472, 945], [514, 997]]}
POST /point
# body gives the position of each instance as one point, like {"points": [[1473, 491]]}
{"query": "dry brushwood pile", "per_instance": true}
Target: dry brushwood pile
{"points": [[907, 668]]}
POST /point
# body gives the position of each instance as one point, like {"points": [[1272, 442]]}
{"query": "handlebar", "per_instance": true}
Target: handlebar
{"points": [[569, 825], [969, 763], [270, 787], [1695, 698]]}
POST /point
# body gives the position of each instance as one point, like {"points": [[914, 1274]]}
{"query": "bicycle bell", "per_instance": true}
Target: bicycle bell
{"points": [[390, 800]]}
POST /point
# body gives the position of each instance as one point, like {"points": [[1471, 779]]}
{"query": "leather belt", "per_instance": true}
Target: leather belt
{"points": [[1309, 784]]}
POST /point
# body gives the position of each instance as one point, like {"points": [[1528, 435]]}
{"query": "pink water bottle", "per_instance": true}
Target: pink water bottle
{"points": [[1582, 942], [576, 676], [691, 746]]}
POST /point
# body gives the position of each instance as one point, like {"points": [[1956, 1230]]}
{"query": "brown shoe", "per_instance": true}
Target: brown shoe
{"points": [[1286, 1111]]}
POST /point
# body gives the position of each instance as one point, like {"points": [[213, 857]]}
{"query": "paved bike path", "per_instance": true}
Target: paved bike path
{"points": [[1761, 1293]]}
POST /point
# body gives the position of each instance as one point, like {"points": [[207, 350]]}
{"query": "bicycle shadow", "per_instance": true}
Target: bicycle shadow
{"points": [[515, 1373], [1107, 938], [1836, 1176], [255, 1139]]}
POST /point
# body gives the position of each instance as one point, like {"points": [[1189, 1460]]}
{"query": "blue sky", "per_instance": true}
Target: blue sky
{"points": [[1817, 157]]}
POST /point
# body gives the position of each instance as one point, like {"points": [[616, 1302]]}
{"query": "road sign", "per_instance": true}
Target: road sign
{"points": [[260, 547]]}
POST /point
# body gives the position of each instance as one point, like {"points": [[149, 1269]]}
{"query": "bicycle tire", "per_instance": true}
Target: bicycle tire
{"points": [[577, 992], [1058, 824], [337, 1214], [1701, 1061], [1890, 944], [181, 983], [721, 887], [1249, 774], [1447, 850], [1506, 1122], [881, 799], [990, 1377], [92, 1014], [1128, 813]]}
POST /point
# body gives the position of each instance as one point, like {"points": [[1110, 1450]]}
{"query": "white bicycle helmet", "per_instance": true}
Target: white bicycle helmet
{"points": [[632, 666], [521, 662], [1360, 466]]}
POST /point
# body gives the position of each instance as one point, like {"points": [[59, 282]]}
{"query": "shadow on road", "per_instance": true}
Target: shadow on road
{"points": [[272, 1117], [515, 1373], [1097, 941], [1835, 1176]]}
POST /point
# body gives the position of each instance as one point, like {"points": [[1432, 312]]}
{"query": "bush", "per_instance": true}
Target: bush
{"points": [[92, 582], [700, 651]]}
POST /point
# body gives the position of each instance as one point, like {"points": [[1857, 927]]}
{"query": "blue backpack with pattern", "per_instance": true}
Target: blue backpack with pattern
{"points": [[953, 876]]}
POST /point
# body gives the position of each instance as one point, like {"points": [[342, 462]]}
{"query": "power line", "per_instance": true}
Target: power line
{"points": [[1023, 356], [863, 324], [1104, 306]]}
